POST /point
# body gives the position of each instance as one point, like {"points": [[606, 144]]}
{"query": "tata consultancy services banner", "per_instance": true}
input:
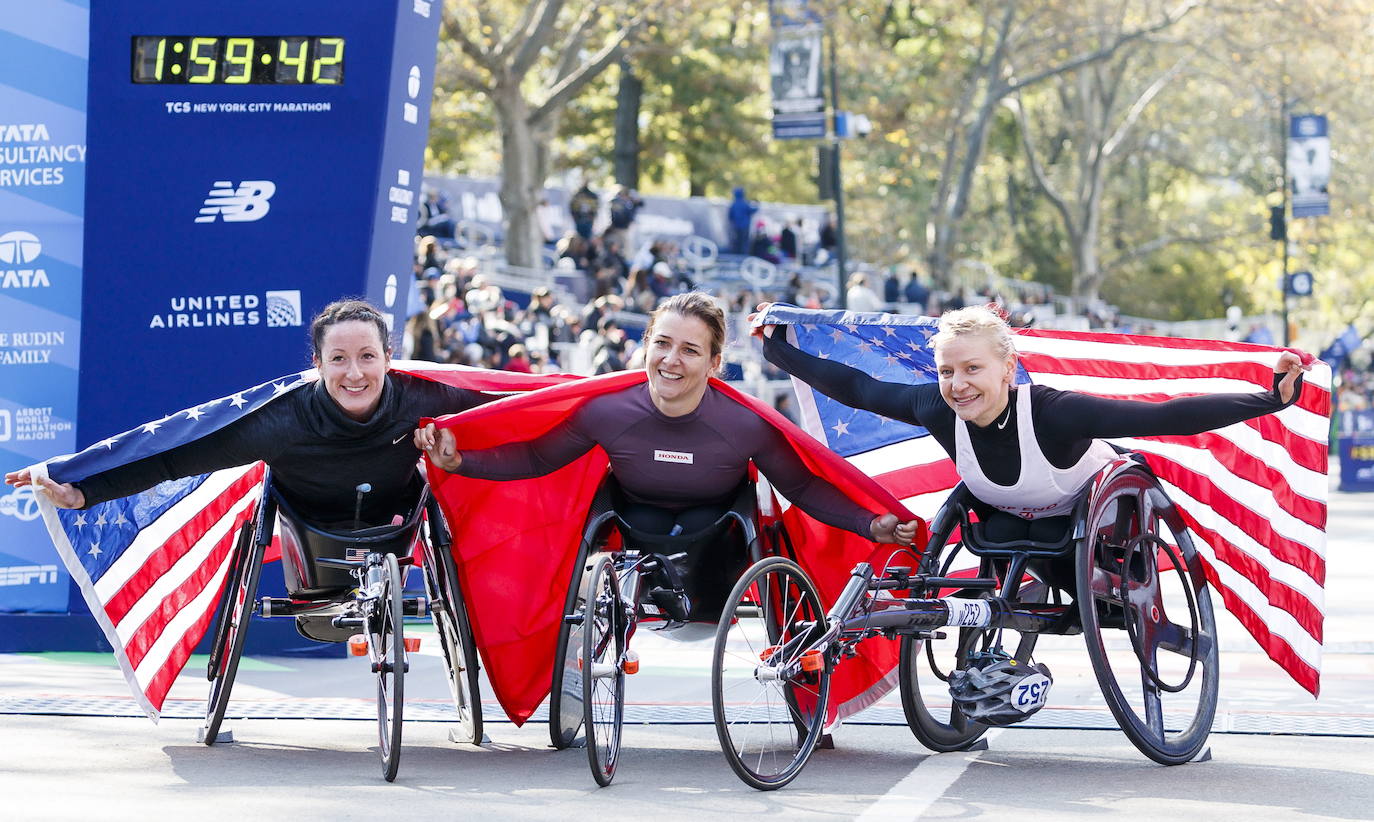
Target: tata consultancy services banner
{"points": [[43, 56]]}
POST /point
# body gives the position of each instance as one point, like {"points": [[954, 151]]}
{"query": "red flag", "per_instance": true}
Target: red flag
{"points": [[515, 541]]}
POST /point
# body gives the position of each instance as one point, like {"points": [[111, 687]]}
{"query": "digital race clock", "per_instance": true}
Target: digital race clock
{"points": [[238, 60]]}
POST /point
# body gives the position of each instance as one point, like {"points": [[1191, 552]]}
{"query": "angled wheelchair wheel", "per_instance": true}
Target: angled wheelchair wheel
{"points": [[386, 643], [925, 666], [768, 697], [923, 675], [1139, 572], [449, 613], [565, 696], [602, 665], [231, 628]]}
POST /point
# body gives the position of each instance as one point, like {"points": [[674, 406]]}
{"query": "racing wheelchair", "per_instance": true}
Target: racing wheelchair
{"points": [[347, 586], [1126, 559], [625, 577]]}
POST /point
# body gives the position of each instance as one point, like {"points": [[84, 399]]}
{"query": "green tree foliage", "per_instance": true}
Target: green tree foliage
{"points": [[1179, 212]]}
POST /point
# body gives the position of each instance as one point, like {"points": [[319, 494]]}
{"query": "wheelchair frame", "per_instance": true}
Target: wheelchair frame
{"points": [[1117, 557], [605, 601], [368, 600]]}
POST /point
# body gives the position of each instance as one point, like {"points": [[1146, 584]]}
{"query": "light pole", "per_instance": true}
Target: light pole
{"points": [[1283, 205], [838, 180]]}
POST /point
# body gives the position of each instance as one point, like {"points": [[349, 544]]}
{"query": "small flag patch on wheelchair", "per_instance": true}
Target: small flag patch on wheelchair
{"points": [[355, 554]]}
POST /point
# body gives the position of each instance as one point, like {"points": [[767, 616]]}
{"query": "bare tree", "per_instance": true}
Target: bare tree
{"points": [[530, 69], [1006, 41], [1096, 113]]}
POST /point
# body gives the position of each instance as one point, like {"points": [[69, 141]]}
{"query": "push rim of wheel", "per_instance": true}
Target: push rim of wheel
{"points": [[455, 641], [1168, 727], [769, 714], [390, 658], [603, 677], [565, 694], [236, 611]]}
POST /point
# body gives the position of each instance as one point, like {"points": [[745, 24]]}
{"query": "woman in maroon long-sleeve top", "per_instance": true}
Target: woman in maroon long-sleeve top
{"points": [[678, 448]]}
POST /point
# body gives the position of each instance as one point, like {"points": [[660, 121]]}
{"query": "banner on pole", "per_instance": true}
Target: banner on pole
{"points": [[795, 69], [1309, 165]]}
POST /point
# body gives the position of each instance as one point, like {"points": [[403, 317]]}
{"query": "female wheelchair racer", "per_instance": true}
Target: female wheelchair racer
{"points": [[322, 441], [679, 447]]}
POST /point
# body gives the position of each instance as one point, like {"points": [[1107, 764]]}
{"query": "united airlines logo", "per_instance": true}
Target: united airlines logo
{"points": [[283, 308], [242, 204]]}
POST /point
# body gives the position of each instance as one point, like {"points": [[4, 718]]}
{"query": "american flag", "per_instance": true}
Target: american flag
{"points": [[1253, 494], [151, 566]]}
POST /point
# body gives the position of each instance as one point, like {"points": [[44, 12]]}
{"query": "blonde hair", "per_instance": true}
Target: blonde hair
{"points": [[976, 319]]}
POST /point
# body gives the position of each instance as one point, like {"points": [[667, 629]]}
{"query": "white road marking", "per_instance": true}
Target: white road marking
{"points": [[926, 783]]}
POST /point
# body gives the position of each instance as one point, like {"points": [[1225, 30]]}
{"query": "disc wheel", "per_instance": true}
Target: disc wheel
{"points": [[603, 672], [923, 674], [386, 643], [769, 712], [1159, 676], [450, 616], [231, 627], [566, 693]]}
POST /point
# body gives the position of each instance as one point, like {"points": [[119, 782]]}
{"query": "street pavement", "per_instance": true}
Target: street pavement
{"points": [[73, 744]]}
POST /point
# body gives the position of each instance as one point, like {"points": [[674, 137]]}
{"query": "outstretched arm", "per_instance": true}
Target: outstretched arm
{"points": [[850, 386], [1085, 415], [821, 499], [517, 460]]}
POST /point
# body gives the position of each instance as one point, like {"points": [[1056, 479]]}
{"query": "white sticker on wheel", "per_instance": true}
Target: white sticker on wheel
{"points": [[1030, 693], [967, 613]]}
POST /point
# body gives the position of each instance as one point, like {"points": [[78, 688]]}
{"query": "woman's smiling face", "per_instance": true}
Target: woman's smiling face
{"points": [[353, 364], [974, 380]]}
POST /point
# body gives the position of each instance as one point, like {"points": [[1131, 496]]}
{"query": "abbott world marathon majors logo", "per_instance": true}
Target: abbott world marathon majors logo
{"points": [[19, 250], [275, 309]]}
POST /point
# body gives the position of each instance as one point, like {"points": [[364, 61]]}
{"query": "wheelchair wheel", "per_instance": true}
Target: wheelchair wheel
{"points": [[565, 696], [1162, 685], [923, 675], [769, 711], [387, 645], [938, 724], [603, 674], [450, 616], [231, 627]]}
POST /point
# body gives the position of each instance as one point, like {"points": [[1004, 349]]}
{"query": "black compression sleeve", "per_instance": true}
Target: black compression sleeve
{"points": [[235, 444], [1083, 415], [848, 385]]}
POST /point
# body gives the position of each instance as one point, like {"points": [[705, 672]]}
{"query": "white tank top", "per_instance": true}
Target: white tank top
{"points": [[1042, 490]]}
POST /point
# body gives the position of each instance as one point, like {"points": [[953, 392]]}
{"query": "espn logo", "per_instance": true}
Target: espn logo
{"points": [[25, 574]]}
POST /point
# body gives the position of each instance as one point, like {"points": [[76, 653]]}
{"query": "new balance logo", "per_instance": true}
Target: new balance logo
{"points": [[244, 204]]}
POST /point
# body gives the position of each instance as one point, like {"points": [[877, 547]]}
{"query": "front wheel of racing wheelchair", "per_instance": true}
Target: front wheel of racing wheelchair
{"points": [[343, 586], [768, 694], [1138, 571]]}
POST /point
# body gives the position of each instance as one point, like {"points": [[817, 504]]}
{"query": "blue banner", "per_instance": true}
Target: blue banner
{"points": [[43, 57], [1309, 165], [1355, 444], [249, 162], [795, 70]]}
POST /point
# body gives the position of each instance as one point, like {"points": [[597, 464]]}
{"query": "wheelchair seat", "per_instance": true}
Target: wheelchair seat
{"points": [[1055, 539], [304, 541], [715, 555]]}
